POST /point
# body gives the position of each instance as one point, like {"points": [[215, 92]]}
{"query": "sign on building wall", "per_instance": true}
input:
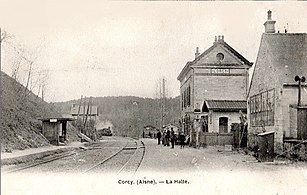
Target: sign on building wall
{"points": [[220, 71], [262, 108]]}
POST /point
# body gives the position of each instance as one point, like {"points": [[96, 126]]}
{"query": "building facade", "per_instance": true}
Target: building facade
{"points": [[273, 95], [218, 74]]}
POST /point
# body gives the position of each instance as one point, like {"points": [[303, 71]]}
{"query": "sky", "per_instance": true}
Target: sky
{"points": [[110, 48]]}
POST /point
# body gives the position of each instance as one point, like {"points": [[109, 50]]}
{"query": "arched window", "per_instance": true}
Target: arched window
{"points": [[223, 125]]}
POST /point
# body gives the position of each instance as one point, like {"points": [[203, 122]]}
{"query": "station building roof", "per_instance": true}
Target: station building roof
{"points": [[55, 119], [224, 105], [90, 110]]}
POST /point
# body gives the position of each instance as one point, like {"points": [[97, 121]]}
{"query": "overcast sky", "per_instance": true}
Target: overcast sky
{"points": [[98, 48]]}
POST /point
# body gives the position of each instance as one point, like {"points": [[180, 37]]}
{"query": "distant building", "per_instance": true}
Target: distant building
{"points": [[273, 95], [213, 89], [81, 111], [149, 131]]}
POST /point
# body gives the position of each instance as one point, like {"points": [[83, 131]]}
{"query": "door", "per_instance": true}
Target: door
{"points": [[302, 123], [223, 125]]}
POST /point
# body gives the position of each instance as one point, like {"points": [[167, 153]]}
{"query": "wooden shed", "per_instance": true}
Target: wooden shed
{"points": [[55, 129]]}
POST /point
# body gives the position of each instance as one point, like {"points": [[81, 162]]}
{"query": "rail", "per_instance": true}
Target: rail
{"points": [[70, 153]]}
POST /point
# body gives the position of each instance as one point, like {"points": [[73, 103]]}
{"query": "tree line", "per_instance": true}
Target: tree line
{"points": [[129, 114]]}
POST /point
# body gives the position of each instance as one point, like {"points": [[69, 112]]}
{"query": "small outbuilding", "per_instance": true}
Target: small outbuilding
{"points": [[149, 131], [222, 113], [55, 129], [91, 111]]}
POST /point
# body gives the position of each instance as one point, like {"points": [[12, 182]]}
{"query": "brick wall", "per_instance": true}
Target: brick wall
{"points": [[221, 87], [184, 84]]}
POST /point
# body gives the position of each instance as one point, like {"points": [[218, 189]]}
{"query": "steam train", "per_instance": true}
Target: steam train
{"points": [[104, 132]]}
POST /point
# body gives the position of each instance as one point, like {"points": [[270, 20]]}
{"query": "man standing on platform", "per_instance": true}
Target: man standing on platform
{"points": [[159, 137], [173, 137], [167, 137]]}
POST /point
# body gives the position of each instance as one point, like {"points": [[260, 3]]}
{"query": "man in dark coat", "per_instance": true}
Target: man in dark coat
{"points": [[173, 137], [167, 137], [182, 140], [159, 136]]}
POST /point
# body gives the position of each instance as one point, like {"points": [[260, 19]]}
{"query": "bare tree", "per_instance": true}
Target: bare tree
{"points": [[5, 36], [26, 70], [43, 76]]}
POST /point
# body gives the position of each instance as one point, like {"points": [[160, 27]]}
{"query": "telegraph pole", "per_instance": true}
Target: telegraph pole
{"points": [[163, 102]]}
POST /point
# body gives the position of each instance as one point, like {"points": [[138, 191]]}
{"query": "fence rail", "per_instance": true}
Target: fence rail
{"points": [[212, 139]]}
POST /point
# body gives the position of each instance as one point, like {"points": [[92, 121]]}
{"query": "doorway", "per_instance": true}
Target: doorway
{"points": [[223, 125]]}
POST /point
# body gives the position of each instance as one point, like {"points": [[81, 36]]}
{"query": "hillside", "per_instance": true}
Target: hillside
{"points": [[129, 114], [20, 127]]}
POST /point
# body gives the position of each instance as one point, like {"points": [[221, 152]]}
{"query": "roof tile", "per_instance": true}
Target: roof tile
{"points": [[224, 105]]}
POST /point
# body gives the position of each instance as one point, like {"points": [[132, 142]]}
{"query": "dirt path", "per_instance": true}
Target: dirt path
{"points": [[174, 171], [210, 169]]}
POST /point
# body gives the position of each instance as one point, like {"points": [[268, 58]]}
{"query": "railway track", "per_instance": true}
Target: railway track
{"points": [[131, 154], [40, 162], [127, 159], [133, 157]]}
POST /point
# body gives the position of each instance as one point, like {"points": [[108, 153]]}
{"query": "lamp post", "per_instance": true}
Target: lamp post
{"points": [[299, 80]]}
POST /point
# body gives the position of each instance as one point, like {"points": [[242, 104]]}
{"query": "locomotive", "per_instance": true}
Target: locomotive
{"points": [[104, 132]]}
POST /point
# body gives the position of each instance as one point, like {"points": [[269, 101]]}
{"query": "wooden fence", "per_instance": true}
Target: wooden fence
{"points": [[212, 139]]}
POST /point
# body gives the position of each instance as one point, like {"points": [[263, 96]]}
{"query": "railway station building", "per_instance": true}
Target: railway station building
{"points": [[82, 111], [273, 98], [213, 90]]}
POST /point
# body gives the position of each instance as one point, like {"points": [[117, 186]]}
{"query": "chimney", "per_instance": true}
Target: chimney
{"points": [[269, 25], [219, 38], [197, 53]]}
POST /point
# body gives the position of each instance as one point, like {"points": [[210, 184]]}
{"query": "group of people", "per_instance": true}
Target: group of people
{"points": [[168, 137]]}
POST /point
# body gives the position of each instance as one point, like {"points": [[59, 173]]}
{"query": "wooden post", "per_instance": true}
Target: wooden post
{"points": [[163, 101], [83, 110], [79, 108], [91, 105], [88, 106]]}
